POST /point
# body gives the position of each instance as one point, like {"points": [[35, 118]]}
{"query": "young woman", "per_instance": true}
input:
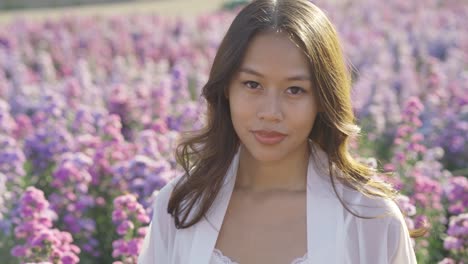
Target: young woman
{"points": [[270, 179]]}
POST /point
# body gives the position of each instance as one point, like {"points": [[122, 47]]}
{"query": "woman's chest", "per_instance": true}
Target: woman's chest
{"points": [[264, 230]]}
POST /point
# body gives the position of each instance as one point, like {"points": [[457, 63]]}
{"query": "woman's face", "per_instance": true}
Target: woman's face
{"points": [[272, 101]]}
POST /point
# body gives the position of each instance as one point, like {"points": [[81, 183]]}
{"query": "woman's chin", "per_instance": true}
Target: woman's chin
{"points": [[266, 154]]}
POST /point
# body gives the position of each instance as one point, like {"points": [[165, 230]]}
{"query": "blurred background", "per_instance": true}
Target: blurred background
{"points": [[94, 96], [51, 8], [24, 4], [32, 4]]}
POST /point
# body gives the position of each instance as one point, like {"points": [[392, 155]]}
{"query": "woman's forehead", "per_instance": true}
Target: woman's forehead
{"points": [[274, 51]]}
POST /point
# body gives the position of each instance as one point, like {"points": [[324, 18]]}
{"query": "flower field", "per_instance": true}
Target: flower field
{"points": [[91, 109]]}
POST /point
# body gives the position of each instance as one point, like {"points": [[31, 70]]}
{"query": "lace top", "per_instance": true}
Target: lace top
{"points": [[219, 258]]}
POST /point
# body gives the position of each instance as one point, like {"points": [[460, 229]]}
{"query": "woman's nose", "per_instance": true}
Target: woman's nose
{"points": [[270, 108]]}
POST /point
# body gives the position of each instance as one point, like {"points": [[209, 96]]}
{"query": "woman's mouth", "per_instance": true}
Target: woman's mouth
{"points": [[268, 137]]}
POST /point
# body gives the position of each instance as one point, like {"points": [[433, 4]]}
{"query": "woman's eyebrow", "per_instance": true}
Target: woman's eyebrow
{"points": [[291, 78], [248, 70]]}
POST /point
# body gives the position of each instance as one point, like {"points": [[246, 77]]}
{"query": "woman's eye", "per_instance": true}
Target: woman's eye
{"points": [[296, 90], [251, 84]]}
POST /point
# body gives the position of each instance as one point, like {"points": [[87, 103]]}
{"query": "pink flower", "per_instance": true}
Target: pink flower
{"points": [[119, 215], [126, 207], [124, 227], [36, 230], [69, 258], [20, 251], [447, 261]]}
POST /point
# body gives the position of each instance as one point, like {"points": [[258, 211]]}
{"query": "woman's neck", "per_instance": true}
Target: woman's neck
{"points": [[287, 175]]}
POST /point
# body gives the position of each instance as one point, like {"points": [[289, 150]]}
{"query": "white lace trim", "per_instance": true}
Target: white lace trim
{"points": [[220, 258], [301, 260]]}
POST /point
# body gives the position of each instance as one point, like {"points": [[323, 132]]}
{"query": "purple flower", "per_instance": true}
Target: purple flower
{"points": [[456, 192], [129, 216], [453, 243], [457, 233], [142, 176], [20, 251], [49, 141], [118, 215], [124, 227], [35, 230], [72, 179], [406, 206], [69, 258]]}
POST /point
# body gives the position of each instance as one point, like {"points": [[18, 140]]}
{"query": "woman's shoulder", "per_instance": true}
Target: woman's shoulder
{"points": [[371, 205], [384, 230], [163, 195], [158, 241]]}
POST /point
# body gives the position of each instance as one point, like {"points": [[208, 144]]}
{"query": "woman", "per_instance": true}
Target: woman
{"points": [[270, 179]]}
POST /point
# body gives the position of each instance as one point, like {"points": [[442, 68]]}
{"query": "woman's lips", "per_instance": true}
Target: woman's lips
{"points": [[268, 137]]}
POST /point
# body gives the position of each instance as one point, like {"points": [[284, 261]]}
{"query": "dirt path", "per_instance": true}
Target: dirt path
{"points": [[163, 7]]}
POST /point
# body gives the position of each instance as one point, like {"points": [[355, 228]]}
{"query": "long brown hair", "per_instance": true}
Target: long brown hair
{"points": [[205, 155]]}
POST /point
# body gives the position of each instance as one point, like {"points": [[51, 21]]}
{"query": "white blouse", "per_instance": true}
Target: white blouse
{"points": [[333, 234]]}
